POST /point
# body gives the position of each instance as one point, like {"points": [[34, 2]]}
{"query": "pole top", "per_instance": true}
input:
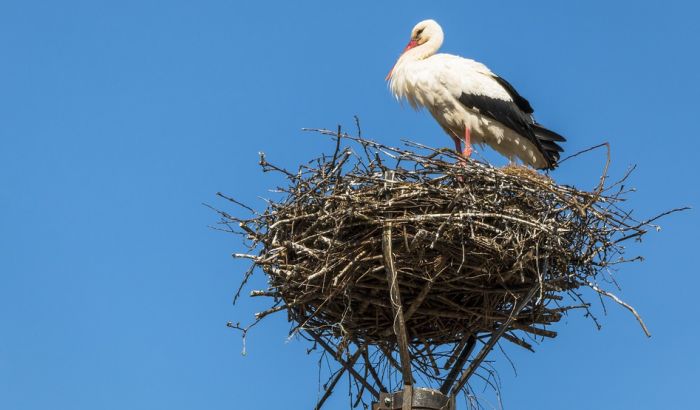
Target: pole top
{"points": [[423, 399]]}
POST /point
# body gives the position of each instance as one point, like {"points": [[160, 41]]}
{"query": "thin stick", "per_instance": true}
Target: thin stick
{"points": [[492, 342], [330, 386], [622, 303], [375, 376], [459, 364], [343, 363], [395, 297]]}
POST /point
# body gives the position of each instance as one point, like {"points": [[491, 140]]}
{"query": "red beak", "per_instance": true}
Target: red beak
{"points": [[410, 45]]}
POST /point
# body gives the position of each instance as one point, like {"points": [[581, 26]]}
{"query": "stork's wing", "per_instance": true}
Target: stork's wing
{"points": [[504, 111], [480, 90], [520, 101]]}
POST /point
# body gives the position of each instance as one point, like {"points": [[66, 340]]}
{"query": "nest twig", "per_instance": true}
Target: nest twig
{"points": [[469, 241]]}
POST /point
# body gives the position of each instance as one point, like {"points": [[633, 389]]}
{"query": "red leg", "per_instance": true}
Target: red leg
{"points": [[458, 148], [467, 143], [458, 144]]}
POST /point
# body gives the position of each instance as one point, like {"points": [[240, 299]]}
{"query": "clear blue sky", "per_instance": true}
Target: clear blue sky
{"points": [[118, 119]]}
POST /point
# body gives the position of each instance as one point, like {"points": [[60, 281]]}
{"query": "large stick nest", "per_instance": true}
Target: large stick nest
{"points": [[469, 241]]}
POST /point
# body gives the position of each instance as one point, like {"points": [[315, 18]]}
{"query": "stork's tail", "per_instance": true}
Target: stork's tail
{"points": [[548, 143]]}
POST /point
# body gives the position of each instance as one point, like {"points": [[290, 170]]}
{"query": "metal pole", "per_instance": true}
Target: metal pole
{"points": [[421, 398]]}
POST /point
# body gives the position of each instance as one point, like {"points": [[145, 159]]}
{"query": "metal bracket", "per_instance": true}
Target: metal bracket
{"points": [[422, 399]]}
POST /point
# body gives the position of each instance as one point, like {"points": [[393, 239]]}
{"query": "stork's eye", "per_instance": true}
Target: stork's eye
{"points": [[418, 33]]}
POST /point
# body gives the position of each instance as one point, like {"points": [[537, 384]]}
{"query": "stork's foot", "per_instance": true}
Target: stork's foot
{"points": [[467, 152], [462, 159]]}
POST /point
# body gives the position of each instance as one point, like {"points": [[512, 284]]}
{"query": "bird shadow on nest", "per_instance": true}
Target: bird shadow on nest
{"points": [[480, 254]]}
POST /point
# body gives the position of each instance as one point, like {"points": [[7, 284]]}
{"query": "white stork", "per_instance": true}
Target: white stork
{"points": [[470, 102]]}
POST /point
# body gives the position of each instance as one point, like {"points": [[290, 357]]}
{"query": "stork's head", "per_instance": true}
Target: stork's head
{"points": [[424, 31], [426, 39]]}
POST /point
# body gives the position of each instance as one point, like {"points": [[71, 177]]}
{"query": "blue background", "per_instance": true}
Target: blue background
{"points": [[119, 119]]}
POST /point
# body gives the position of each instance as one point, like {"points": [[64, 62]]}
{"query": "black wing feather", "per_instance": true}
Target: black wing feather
{"points": [[519, 100], [516, 116], [503, 111]]}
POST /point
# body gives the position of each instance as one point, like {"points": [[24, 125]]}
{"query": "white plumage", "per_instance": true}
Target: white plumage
{"points": [[470, 102]]}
